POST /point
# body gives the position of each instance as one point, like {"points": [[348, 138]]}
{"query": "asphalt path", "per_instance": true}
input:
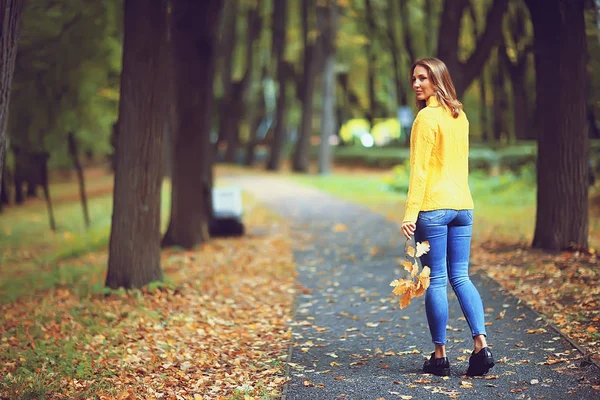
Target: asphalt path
{"points": [[352, 341]]}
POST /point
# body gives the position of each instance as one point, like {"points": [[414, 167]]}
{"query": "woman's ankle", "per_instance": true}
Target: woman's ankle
{"points": [[479, 342], [440, 351]]}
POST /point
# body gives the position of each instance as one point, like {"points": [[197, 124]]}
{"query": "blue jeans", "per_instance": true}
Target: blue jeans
{"points": [[449, 235]]}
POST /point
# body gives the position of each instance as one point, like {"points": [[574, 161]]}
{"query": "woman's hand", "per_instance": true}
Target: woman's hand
{"points": [[408, 229]]}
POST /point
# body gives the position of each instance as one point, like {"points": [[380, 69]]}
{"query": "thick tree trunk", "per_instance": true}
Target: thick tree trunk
{"points": [[194, 51], [279, 132], [302, 152], [10, 23], [328, 26], [562, 167], [134, 252]]}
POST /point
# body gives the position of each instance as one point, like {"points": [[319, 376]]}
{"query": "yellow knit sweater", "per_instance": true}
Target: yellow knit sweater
{"points": [[439, 162]]}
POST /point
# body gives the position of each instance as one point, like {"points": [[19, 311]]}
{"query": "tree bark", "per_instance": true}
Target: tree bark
{"points": [[227, 46], [10, 23], [279, 132], [517, 18], [518, 78], [328, 28], [302, 152], [562, 165], [237, 104], [194, 51], [500, 127], [484, 108], [134, 252], [463, 73]]}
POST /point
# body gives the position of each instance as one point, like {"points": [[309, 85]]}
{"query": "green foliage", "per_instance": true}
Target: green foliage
{"points": [[66, 76]]}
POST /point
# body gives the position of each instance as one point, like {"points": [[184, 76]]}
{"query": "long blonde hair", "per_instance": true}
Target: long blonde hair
{"points": [[444, 90]]}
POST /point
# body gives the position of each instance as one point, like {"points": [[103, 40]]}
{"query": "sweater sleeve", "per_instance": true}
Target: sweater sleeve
{"points": [[422, 141]]}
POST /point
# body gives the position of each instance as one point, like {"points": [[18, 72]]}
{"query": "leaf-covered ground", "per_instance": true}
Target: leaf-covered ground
{"points": [[217, 329], [564, 287]]}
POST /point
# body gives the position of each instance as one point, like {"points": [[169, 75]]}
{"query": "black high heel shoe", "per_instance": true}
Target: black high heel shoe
{"points": [[480, 363], [437, 366]]}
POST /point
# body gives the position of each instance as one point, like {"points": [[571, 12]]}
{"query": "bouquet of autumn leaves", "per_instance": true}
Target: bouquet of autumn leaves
{"points": [[418, 282]]}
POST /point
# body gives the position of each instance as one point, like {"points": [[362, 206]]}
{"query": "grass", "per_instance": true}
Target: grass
{"points": [[33, 258], [504, 204]]}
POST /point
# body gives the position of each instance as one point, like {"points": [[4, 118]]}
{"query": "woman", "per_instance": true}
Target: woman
{"points": [[439, 209]]}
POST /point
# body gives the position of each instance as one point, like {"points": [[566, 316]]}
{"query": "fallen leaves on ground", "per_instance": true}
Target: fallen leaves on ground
{"points": [[220, 328], [564, 287]]}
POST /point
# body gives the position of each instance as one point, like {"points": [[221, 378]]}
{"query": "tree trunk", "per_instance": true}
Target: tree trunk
{"points": [[517, 18], [500, 102], [562, 166], [463, 73], [237, 105], [302, 152], [194, 54], [43, 170], [279, 132], [134, 252], [523, 130], [401, 97], [328, 28], [4, 195], [227, 46], [484, 108], [371, 60], [430, 39], [10, 23], [72, 144]]}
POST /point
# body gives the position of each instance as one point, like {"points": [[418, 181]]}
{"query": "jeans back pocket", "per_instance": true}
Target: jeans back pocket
{"points": [[432, 215]]}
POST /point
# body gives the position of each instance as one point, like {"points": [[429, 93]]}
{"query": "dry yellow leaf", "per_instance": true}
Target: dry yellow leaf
{"points": [[340, 228], [410, 251], [408, 295], [422, 248], [415, 269], [402, 286], [466, 385]]}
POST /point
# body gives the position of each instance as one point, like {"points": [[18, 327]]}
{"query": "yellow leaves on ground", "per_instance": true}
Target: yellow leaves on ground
{"points": [[340, 227], [409, 288], [563, 286], [218, 331]]}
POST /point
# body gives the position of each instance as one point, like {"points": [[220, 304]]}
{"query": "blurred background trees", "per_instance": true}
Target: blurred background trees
{"points": [[269, 82]]}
